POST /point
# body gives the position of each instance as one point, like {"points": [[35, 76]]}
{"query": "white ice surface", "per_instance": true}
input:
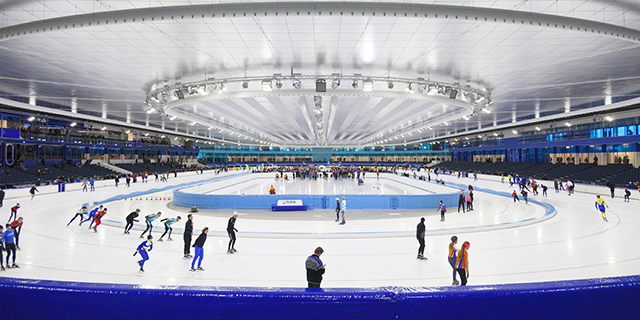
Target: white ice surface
{"points": [[574, 244]]}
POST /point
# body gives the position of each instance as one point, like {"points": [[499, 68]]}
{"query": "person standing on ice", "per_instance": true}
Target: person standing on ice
{"points": [[186, 236], [343, 209], [199, 251], [142, 249], [453, 255], [462, 263], [231, 231], [337, 209], [420, 234], [442, 208]]}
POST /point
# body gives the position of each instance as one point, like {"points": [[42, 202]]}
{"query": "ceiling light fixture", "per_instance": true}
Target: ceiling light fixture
{"points": [[297, 84], [73, 124], [608, 118], [409, 88], [335, 84], [390, 85], [266, 85], [103, 128], [538, 128], [367, 85], [354, 84], [245, 85], [31, 119], [278, 84], [567, 124]]}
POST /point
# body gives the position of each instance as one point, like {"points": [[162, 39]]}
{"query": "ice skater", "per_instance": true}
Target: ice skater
{"points": [[337, 210], [167, 226], [1, 199], [515, 196], [231, 231], [544, 190], [315, 268], [10, 246], [92, 185], [524, 196], [2, 248], [199, 252], [130, 219], [14, 212], [462, 263], [343, 209], [143, 248], [420, 233], [92, 214], [442, 210], [33, 191], [98, 219], [453, 255], [600, 205], [461, 200], [627, 195], [188, 232], [16, 225], [79, 213], [149, 219]]}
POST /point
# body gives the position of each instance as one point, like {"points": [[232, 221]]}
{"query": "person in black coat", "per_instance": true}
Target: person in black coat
{"points": [[420, 233], [1, 197], [315, 268], [461, 201], [188, 232]]}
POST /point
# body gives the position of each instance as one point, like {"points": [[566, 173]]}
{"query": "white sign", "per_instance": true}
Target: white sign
{"points": [[289, 202]]}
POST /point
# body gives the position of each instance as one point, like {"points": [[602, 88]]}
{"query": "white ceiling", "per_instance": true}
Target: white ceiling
{"points": [[108, 69]]}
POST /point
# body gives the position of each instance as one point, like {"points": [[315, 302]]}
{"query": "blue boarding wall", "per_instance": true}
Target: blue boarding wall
{"points": [[354, 201], [608, 298]]}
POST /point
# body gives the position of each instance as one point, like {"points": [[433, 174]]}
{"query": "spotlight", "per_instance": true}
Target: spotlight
{"points": [[266, 85], [103, 128], [297, 84], [422, 88], [409, 88], [567, 124], [514, 131], [245, 85], [335, 84], [128, 131], [222, 88], [211, 88], [355, 84], [390, 85], [538, 128], [465, 118], [608, 118], [31, 119], [73, 124], [278, 84], [367, 85]]}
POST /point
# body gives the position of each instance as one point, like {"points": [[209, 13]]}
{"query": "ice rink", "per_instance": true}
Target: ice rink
{"points": [[510, 242]]}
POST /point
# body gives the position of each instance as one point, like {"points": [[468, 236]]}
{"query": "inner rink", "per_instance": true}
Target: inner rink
{"points": [[510, 242]]}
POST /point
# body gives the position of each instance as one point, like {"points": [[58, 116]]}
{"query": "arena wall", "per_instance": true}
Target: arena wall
{"points": [[606, 298]]}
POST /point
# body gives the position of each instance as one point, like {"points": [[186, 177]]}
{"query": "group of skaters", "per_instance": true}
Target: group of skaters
{"points": [[10, 237], [97, 213], [458, 258]]}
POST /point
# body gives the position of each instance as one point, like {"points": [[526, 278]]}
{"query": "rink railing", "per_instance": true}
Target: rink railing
{"points": [[605, 298]]}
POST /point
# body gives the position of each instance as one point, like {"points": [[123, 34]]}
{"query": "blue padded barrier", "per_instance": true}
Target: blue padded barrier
{"points": [[354, 201], [607, 298]]}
